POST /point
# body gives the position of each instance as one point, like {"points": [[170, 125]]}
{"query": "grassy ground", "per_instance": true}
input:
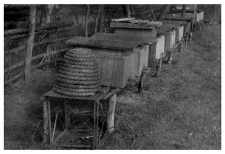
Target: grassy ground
{"points": [[181, 109]]}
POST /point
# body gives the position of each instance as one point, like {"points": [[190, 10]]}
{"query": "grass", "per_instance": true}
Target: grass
{"points": [[181, 109]]}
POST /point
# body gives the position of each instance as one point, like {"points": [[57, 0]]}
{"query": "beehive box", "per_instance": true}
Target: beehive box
{"points": [[142, 50], [200, 13], [134, 29], [117, 58], [141, 30], [187, 19], [179, 33], [170, 36], [156, 49], [178, 28]]}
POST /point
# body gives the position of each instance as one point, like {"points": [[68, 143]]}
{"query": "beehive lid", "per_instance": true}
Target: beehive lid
{"points": [[122, 19], [174, 22], [165, 28], [139, 39], [178, 17], [155, 23], [132, 25], [104, 42]]}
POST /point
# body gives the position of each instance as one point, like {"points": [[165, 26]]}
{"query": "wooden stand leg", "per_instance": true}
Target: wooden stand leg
{"points": [[158, 67], [186, 40], [66, 114], [49, 122], [200, 26], [179, 48], [111, 113], [190, 36], [170, 57], [45, 119]]}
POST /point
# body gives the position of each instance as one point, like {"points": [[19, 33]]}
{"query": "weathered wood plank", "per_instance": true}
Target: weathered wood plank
{"points": [[118, 75], [107, 72]]}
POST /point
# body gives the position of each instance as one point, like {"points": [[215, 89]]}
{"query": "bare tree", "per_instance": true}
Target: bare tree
{"points": [[163, 11]]}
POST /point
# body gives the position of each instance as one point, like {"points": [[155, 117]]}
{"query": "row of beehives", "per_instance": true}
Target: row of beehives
{"points": [[134, 45]]}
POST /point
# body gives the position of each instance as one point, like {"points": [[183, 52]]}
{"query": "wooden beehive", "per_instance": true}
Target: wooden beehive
{"points": [[117, 58], [134, 30], [140, 30], [170, 36], [156, 49], [179, 27], [142, 50], [179, 33], [190, 12], [176, 17]]}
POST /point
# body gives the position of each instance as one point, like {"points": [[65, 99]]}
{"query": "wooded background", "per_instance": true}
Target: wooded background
{"points": [[54, 24]]}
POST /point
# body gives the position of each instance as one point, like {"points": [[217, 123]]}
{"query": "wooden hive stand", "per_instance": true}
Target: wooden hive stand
{"points": [[105, 95]]}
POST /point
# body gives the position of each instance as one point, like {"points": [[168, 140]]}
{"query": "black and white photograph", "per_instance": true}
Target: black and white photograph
{"points": [[112, 76]]}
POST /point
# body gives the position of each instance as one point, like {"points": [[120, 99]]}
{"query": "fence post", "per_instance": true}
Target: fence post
{"points": [[30, 42]]}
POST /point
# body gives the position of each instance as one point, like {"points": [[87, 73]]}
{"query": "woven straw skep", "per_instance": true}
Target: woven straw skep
{"points": [[78, 74]]}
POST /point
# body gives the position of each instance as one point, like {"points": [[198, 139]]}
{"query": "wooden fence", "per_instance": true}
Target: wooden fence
{"points": [[20, 33]]}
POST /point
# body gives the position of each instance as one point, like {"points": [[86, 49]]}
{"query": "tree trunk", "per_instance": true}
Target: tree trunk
{"points": [[152, 12], [132, 9], [163, 11], [183, 10], [127, 12], [101, 7], [86, 21], [30, 42]]}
